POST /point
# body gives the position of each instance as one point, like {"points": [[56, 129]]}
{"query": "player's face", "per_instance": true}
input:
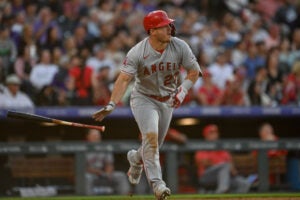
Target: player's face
{"points": [[162, 34]]}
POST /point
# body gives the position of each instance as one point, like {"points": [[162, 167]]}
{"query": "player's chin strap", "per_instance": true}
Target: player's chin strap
{"points": [[180, 93]]}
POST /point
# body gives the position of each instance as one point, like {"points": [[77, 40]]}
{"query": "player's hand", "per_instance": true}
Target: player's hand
{"points": [[103, 112], [178, 97]]}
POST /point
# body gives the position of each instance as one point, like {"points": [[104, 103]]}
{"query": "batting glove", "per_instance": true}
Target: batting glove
{"points": [[103, 112], [178, 97]]}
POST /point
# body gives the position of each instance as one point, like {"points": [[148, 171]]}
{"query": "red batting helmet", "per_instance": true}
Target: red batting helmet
{"points": [[156, 19]]}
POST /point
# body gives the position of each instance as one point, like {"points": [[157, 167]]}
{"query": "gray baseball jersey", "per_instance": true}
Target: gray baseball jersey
{"points": [[158, 73]]}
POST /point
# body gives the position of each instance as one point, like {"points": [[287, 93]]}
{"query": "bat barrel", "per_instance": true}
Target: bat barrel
{"points": [[27, 116]]}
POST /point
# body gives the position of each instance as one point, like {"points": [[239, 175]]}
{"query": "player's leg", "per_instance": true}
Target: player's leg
{"points": [[146, 113], [134, 157], [165, 115], [136, 166]]}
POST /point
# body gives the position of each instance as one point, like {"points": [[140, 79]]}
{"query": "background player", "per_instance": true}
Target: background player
{"points": [[155, 63]]}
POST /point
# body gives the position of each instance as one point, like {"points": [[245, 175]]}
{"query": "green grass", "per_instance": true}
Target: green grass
{"points": [[175, 197]]}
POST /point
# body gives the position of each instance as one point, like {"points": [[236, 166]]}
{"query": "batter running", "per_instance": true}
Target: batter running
{"points": [[155, 63]]}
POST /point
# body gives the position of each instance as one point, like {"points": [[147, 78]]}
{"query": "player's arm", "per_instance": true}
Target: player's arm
{"points": [[119, 89], [192, 75], [189, 62], [182, 90]]}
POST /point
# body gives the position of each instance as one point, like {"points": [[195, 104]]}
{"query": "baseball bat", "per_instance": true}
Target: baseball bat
{"points": [[38, 118]]}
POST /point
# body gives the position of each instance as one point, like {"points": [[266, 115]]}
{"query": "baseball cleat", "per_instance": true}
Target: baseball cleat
{"points": [[135, 170], [162, 192]]}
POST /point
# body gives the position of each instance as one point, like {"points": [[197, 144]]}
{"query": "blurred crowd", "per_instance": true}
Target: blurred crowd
{"points": [[57, 53]]}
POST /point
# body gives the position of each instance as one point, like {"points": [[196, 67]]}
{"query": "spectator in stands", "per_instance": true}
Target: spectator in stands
{"points": [[284, 52], [53, 39], [295, 47], [253, 61], [69, 49], [291, 87], [209, 94], [106, 11], [81, 38], [7, 14], [233, 34], [23, 67], [203, 59], [267, 8], [262, 50], [30, 12], [93, 23], [240, 75], [42, 24], [43, 72], [221, 70], [57, 56], [114, 53], [233, 93], [48, 96], [101, 91], [101, 177], [27, 40], [17, 26], [273, 37], [216, 167], [8, 51], [87, 7], [258, 31], [12, 97], [100, 60], [288, 15], [24, 64], [80, 78], [275, 77], [257, 88], [68, 19], [239, 54]]}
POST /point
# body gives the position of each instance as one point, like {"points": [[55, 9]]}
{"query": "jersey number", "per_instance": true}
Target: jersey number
{"points": [[169, 79]]}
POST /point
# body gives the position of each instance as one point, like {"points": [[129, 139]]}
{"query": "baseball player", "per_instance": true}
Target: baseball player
{"points": [[155, 63]]}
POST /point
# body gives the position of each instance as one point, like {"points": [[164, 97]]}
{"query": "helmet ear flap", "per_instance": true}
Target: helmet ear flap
{"points": [[173, 29]]}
